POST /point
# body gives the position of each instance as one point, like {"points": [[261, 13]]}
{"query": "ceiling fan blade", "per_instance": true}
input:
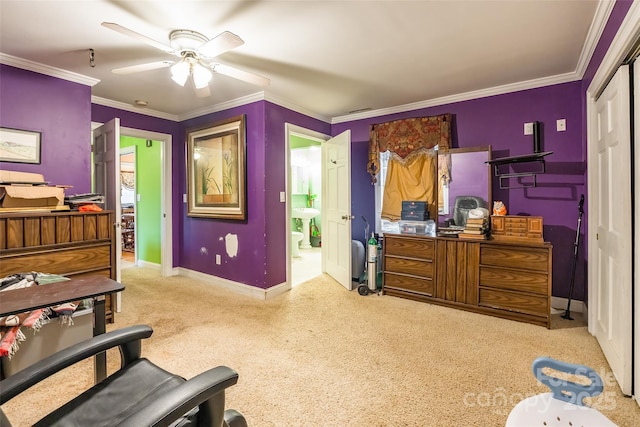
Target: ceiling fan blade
{"points": [[202, 92], [219, 44], [142, 67], [138, 36], [240, 74]]}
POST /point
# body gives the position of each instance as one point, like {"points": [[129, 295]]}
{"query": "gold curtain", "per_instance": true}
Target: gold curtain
{"points": [[412, 178], [403, 137]]}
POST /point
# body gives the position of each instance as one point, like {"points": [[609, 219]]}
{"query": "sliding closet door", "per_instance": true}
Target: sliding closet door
{"points": [[610, 215], [636, 145]]}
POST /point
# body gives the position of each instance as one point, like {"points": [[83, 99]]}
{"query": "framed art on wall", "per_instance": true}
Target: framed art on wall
{"points": [[216, 170], [19, 146]]}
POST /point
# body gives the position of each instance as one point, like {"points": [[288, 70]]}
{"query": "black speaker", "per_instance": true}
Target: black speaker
{"points": [[536, 137]]}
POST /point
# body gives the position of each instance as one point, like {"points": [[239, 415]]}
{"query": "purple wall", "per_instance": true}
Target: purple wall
{"points": [[498, 121], [275, 211], [103, 114], [60, 110]]}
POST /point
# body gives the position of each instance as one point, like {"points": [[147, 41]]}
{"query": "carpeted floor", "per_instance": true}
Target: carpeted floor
{"points": [[322, 356]]}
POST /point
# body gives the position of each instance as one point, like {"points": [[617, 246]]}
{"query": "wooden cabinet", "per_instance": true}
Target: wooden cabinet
{"points": [[72, 244], [504, 279], [517, 228]]}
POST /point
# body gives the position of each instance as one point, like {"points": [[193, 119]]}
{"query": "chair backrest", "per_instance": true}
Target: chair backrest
{"points": [[463, 205]]}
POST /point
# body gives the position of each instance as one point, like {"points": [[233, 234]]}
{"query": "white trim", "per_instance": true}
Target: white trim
{"points": [[603, 12], [47, 70], [236, 287], [258, 96], [628, 32], [482, 93], [298, 131], [128, 107]]}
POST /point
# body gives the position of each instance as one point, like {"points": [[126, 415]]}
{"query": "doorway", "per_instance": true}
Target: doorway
{"points": [[163, 142], [304, 191], [128, 205]]}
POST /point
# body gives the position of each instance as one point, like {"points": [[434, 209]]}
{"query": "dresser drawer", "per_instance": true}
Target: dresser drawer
{"points": [[65, 261], [408, 266], [413, 284], [516, 280], [409, 247], [514, 301], [527, 258]]}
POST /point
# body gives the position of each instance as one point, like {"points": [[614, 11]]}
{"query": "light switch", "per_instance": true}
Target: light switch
{"points": [[528, 128], [138, 197], [283, 196], [561, 125]]}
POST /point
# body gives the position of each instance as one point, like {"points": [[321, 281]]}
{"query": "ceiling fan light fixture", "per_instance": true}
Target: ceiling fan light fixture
{"points": [[180, 72], [201, 76]]}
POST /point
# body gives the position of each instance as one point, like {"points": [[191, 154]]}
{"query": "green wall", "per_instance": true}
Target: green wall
{"points": [[148, 209]]}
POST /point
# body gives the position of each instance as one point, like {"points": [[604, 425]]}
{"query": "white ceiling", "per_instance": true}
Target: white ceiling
{"points": [[324, 58]]}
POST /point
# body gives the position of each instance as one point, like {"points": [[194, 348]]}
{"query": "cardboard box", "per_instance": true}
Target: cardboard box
{"points": [[17, 191], [7, 177], [29, 196]]}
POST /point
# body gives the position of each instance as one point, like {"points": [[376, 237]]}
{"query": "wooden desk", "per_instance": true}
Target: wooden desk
{"points": [[42, 296]]}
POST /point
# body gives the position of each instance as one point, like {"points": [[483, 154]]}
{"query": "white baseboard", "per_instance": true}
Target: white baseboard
{"points": [[237, 287], [560, 304]]}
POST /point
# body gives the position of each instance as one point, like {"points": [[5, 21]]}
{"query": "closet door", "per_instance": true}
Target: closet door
{"points": [[610, 215]]}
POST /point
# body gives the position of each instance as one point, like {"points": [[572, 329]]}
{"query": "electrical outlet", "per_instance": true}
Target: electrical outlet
{"points": [[218, 259], [561, 125], [528, 128]]}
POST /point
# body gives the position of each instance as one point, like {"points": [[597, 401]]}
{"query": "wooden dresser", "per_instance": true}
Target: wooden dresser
{"points": [[72, 244], [506, 279]]}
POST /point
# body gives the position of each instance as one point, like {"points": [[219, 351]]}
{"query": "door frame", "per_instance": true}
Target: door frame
{"points": [[295, 130], [166, 198], [626, 37]]}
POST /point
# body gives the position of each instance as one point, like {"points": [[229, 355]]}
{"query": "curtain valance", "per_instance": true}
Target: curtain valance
{"points": [[405, 136]]}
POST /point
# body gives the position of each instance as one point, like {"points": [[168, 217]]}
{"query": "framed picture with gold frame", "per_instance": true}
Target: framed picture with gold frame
{"points": [[216, 170]]}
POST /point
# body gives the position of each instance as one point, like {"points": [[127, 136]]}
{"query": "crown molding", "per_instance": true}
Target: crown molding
{"points": [[600, 19], [292, 106], [36, 67], [238, 102], [128, 107], [467, 96]]}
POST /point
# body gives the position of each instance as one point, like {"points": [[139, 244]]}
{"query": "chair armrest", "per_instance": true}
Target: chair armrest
{"points": [[175, 403], [129, 340]]}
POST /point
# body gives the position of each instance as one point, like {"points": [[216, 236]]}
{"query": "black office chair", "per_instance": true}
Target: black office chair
{"points": [[463, 205], [138, 394]]}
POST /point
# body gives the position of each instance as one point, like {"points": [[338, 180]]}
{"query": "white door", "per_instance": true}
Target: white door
{"points": [[610, 219], [336, 227], [106, 177]]}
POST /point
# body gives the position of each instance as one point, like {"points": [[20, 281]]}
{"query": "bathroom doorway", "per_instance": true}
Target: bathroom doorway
{"points": [[304, 204]]}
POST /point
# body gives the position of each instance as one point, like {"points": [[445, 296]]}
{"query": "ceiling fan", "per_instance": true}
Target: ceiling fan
{"points": [[194, 51]]}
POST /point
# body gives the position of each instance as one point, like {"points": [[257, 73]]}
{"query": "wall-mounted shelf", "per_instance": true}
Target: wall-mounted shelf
{"points": [[525, 158]]}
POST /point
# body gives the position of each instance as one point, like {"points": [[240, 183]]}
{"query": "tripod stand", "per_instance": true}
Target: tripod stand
{"points": [[567, 314]]}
